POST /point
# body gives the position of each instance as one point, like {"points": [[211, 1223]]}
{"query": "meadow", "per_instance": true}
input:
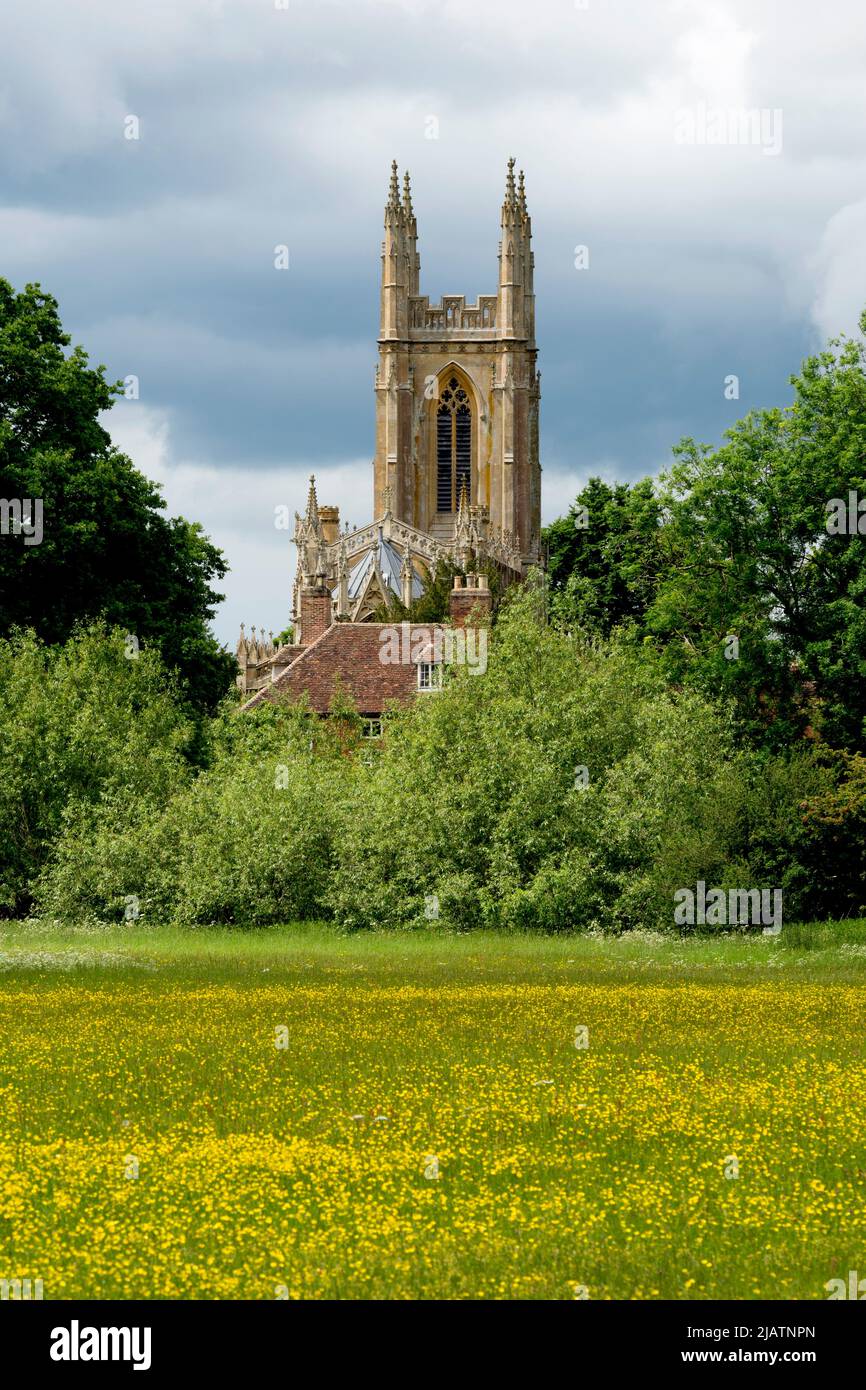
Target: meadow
{"points": [[293, 1113]]}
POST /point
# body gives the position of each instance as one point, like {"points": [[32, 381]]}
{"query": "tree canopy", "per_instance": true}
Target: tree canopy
{"points": [[728, 566], [107, 549]]}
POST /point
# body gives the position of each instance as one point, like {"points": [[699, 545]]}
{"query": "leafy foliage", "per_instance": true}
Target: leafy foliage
{"points": [[568, 787], [475, 804], [248, 841], [604, 557], [728, 568], [107, 550], [81, 725]]}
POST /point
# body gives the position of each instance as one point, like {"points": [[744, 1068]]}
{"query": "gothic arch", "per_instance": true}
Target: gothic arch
{"points": [[454, 433]]}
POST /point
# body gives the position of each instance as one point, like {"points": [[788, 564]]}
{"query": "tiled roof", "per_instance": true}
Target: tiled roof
{"points": [[283, 655], [349, 653]]}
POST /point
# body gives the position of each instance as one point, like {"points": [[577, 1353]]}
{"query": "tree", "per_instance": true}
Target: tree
{"points": [[106, 548], [80, 724], [604, 556], [748, 555]]}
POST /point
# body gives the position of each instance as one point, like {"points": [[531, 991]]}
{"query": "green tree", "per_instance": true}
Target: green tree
{"points": [[747, 555], [79, 724], [567, 787], [106, 549], [603, 558], [248, 841]]}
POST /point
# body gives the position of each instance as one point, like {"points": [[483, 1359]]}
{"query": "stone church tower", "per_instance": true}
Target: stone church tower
{"points": [[456, 472], [457, 390]]}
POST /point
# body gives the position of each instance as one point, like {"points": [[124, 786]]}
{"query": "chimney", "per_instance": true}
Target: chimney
{"points": [[316, 612], [330, 519], [470, 594]]}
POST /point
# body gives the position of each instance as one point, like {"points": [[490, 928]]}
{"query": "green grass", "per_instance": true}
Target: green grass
{"points": [[812, 950], [157, 1142]]}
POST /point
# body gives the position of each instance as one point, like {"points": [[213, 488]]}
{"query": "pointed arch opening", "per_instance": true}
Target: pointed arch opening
{"points": [[454, 433]]}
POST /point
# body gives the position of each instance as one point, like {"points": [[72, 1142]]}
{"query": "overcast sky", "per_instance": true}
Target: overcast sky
{"points": [[262, 124]]}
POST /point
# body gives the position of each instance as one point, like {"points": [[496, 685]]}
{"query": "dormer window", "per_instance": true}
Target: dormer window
{"points": [[429, 675]]}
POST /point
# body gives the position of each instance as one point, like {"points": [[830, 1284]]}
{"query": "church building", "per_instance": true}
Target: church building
{"points": [[456, 471]]}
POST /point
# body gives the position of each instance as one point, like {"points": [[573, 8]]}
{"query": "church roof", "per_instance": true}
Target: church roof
{"points": [[390, 563]]}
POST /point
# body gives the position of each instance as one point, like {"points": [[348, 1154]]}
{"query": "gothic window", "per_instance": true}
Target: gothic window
{"points": [[453, 446]]}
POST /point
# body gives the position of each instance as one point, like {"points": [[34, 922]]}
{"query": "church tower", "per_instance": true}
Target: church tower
{"points": [[456, 473], [457, 391]]}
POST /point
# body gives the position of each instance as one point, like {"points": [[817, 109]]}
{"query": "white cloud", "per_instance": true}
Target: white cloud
{"points": [[841, 271], [237, 506]]}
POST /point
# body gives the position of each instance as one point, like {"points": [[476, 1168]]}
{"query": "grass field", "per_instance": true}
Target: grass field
{"points": [[298, 1114]]}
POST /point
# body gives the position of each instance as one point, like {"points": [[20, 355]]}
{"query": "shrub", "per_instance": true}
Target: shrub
{"points": [[249, 841], [93, 721]]}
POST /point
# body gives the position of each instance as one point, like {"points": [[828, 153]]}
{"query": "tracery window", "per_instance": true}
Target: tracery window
{"points": [[453, 446]]}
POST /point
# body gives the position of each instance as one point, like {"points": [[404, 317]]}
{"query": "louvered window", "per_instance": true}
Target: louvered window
{"points": [[453, 447]]}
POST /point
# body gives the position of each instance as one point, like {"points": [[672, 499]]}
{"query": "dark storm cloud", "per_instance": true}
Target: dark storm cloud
{"points": [[261, 127]]}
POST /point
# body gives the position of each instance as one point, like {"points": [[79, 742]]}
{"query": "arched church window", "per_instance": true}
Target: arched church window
{"points": [[453, 446]]}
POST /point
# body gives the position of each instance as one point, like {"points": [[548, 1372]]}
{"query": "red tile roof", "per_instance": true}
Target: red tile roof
{"points": [[350, 654]]}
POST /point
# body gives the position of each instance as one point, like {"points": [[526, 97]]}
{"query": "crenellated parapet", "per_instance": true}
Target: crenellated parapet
{"points": [[452, 315]]}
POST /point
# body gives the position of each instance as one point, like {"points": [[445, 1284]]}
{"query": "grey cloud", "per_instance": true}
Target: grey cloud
{"points": [[262, 127]]}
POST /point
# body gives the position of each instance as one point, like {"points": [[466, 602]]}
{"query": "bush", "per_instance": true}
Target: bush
{"points": [[249, 841], [567, 788], [477, 797], [88, 723]]}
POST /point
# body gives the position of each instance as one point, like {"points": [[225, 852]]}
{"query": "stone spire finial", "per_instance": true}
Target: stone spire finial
{"points": [[406, 577], [521, 192], [312, 514], [509, 182], [342, 582], [463, 529], [407, 195], [394, 188]]}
